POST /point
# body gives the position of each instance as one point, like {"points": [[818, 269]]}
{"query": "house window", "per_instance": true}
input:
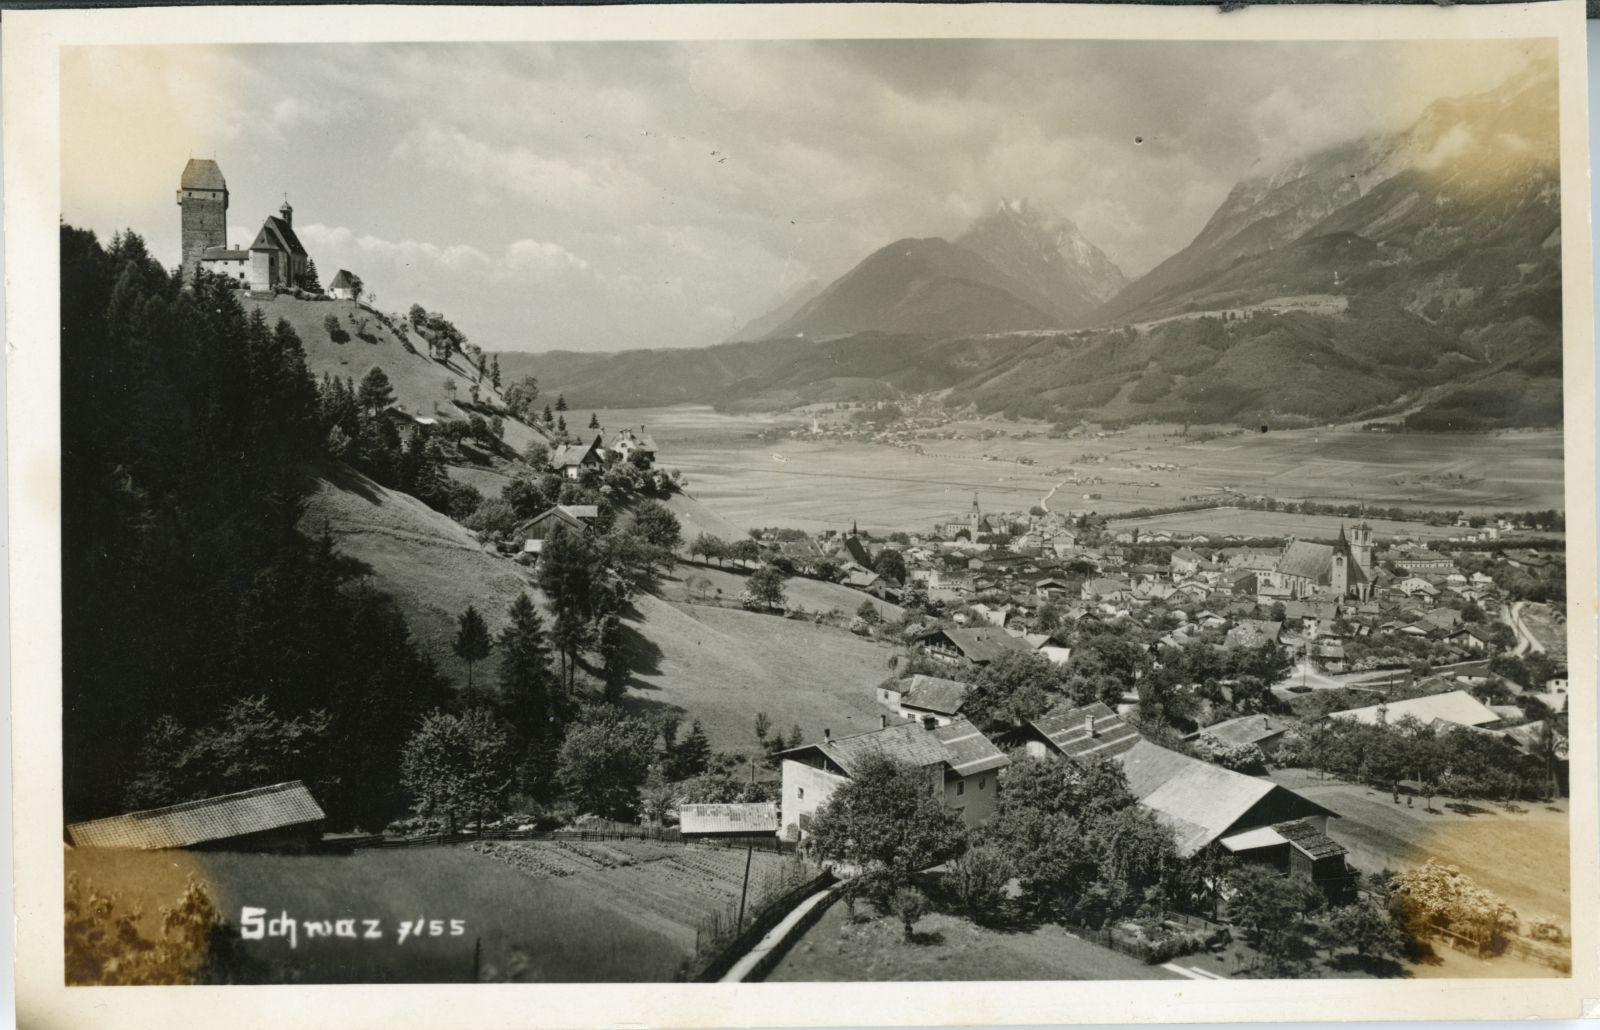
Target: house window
{"points": [[980, 782], [961, 787], [800, 793]]}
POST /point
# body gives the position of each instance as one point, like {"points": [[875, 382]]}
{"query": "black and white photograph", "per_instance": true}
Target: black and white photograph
{"points": [[837, 508]]}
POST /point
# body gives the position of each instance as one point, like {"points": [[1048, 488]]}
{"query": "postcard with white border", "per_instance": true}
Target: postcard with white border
{"points": [[800, 515]]}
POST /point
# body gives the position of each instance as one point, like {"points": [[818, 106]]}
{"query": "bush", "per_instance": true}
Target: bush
{"points": [[978, 880]]}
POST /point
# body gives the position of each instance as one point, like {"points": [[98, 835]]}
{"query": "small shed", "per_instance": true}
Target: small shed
{"points": [[732, 820], [282, 817]]}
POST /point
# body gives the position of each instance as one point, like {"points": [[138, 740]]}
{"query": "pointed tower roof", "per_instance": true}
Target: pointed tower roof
{"points": [[202, 174]]}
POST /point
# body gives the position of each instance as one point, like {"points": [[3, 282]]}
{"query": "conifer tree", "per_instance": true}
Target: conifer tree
{"points": [[594, 420], [308, 279], [376, 393], [526, 680], [472, 642], [693, 755], [494, 371], [561, 402], [549, 416]]}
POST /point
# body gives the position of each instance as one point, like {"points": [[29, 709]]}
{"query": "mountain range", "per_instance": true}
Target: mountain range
{"points": [[1413, 273]]}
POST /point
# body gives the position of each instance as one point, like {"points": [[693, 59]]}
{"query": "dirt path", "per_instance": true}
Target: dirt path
{"points": [[1526, 641]]}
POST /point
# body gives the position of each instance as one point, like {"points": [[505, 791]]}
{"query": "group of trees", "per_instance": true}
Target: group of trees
{"points": [[204, 637], [1455, 762], [358, 429]]}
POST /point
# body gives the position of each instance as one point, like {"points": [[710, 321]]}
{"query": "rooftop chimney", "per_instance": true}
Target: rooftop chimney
{"points": [[1088, 724], [827, 735]]}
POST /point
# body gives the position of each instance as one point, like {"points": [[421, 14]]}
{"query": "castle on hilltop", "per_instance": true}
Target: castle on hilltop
{"points": [[276, 258]]}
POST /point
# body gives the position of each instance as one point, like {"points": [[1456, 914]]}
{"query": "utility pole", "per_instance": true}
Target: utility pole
{"points": [[749, 850]]}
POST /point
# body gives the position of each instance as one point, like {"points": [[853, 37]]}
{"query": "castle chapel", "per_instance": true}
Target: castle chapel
{"points": [[275, 259]]}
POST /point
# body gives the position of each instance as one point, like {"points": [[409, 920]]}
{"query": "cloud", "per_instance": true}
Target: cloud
{"points": [[541, 259], [455, 257]]}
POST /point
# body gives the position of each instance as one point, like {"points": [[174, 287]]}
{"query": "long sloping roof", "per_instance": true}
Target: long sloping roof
{"points": [[959, 745], [935, 694], [1455, 706], [197, 822], [1067, 731], [1200, 801], [1306, 559], [985, 643], [202, 173], [342, 280]]}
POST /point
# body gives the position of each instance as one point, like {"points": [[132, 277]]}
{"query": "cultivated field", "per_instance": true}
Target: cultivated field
{"points": [[1247, 522], [949, 948], [558, 929], [1521, 856], [677, 891], [722, 666], [827, 484]]}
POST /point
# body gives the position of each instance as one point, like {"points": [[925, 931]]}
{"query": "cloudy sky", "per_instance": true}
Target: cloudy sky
{"points": [[603, 196]]}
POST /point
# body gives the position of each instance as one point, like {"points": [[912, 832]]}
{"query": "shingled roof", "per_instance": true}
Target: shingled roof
{"points": [[1067, 731], [984, 643], [934, 694], [960, 747], [202, 174], [1306, 559], [277, 232], [198, 822]]}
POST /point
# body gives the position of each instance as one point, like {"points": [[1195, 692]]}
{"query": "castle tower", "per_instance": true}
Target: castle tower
{"points": [[203, 196]]}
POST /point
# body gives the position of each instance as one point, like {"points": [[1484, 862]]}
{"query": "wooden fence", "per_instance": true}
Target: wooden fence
{"points": [[611, 832]]}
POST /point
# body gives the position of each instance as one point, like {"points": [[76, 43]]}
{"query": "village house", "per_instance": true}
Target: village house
{"points": [[961, 764], [923, 697], [979, 645], [1264, 731], [627, 443], [572, 459], [1080, 734], [343, 286]]}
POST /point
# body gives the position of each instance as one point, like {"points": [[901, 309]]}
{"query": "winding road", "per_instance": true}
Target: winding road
{"points": [[1526, 641]]}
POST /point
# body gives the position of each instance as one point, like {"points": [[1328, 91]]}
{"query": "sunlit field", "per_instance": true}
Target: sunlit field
{"points": [[828, 484]]}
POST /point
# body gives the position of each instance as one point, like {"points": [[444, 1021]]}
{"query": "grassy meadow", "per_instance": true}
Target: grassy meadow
{"points": [[723, 665]]}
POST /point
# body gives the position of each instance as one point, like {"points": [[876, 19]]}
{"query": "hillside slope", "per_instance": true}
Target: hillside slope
{"points": [[417, 380], [430, 564], [722, 666]]}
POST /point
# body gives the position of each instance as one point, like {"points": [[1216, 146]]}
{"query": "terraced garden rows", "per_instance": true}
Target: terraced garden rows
{"points": [[671, 888]]}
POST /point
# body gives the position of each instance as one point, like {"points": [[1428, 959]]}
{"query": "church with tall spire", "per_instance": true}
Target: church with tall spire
{"points": [[1344, 568]]}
